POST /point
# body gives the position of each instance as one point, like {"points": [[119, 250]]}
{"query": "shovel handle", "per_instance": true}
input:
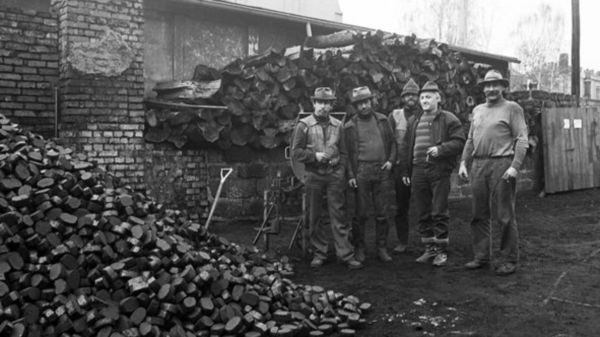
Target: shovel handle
{"points": [[225, 172]]}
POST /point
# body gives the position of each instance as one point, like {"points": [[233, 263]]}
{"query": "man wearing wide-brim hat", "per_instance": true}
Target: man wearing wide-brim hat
{"points": [[316, 144], [433, 141], [495, 150], [371, 150]]}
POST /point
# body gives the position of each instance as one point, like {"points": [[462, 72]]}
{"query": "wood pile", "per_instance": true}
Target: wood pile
{"points": [[82, 256], [264, 93]]}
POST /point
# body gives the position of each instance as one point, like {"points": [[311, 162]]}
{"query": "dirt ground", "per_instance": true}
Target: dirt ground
{"points": [[556, 291]]}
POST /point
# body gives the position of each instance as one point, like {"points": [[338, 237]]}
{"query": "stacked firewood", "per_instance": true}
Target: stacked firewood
{"points": [[82, 256], [265, 93]]}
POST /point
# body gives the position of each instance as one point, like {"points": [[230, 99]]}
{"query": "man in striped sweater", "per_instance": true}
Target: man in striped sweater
{"points": [[433, 140]]}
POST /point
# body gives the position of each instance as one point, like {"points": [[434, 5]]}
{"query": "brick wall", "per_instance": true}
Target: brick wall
{"points": [[178, 178], [101, 83], [189, 179], [28, 68]]}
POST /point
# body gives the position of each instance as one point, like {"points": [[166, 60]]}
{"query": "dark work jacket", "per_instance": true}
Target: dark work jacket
{"points": [[310, 139], [446, 133], [349, 147]]}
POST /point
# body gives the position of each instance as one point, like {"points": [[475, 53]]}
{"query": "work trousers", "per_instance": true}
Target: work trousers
{"points": [[402, 206], [333, 186], [487, 187], [430, 190], [375, 197]]}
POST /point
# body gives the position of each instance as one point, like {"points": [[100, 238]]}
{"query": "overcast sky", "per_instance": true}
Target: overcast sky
{"points": [[383, 14]]}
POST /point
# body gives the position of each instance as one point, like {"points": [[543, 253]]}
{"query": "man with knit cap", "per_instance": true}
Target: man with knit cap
{"points": [[399, 122], [316, 144], [433, 141], [371, 150], [495, 150]]}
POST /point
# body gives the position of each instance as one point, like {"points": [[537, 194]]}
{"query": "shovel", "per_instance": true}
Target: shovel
{"points": [[225, 172]]}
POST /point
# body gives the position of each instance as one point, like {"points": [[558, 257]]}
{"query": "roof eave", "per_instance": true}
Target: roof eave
{"points": [[264, 12]]}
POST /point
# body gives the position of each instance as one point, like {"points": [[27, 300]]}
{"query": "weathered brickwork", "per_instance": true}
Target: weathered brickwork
{"points": [[178, 178], [28, 68], [101, 83]]}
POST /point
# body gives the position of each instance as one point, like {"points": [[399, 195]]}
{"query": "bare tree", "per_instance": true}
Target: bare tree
{"points": [[539, 37], [458, 22]]}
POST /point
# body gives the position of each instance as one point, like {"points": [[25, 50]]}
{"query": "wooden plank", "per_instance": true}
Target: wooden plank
{"points": [[594, 144], [561, 159], [588, 178], [576, 172], [548, 129]]}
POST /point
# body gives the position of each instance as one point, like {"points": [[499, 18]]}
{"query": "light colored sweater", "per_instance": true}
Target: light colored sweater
{"points": [[497, 130]]}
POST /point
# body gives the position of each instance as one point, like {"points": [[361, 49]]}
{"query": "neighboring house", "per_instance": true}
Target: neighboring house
{"points": [[591, 85]]}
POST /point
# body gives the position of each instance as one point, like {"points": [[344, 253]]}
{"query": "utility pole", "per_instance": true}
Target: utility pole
{"points": [[575, 69]]}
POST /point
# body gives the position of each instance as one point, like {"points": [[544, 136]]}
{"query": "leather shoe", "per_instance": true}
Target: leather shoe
{"points": [[506, 269], [383, 255], [316, 262], [400, 248], [441, 259], [354, 264], [430, 253], [476, 264]]}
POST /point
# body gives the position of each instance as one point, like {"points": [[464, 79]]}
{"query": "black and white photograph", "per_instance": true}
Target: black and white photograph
{"points": [[299, 168]]}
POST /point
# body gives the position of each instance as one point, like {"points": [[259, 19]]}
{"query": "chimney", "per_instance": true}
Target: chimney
{"points": [[563, 63]]}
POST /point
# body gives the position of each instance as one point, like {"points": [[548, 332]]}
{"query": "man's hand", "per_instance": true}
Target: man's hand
{"points": [[511, 172], [406, 181], [322, 157], [387, 166], [433, 151], [462, 171], [352, 183]]}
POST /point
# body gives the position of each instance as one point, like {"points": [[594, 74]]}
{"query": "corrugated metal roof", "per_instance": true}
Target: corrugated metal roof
{"points": [[264, 12]]}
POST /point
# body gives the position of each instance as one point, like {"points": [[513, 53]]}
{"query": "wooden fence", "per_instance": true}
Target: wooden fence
{"points": [[571, 148]]}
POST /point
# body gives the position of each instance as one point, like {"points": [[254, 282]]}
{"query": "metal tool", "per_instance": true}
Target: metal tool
{"points": [[225, 172]]}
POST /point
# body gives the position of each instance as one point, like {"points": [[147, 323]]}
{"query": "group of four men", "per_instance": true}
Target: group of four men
{"points": [[386, 161]]}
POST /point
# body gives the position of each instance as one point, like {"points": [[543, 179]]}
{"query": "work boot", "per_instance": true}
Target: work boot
{"points": [[354, 264], [440, 259], [316, 262], [476, 264], [430, 253], [506, 269], [383, 255], [359, 254], [400, 248]]}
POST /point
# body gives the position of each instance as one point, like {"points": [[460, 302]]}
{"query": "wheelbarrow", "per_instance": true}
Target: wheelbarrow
{"points": [[225, 172]]}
